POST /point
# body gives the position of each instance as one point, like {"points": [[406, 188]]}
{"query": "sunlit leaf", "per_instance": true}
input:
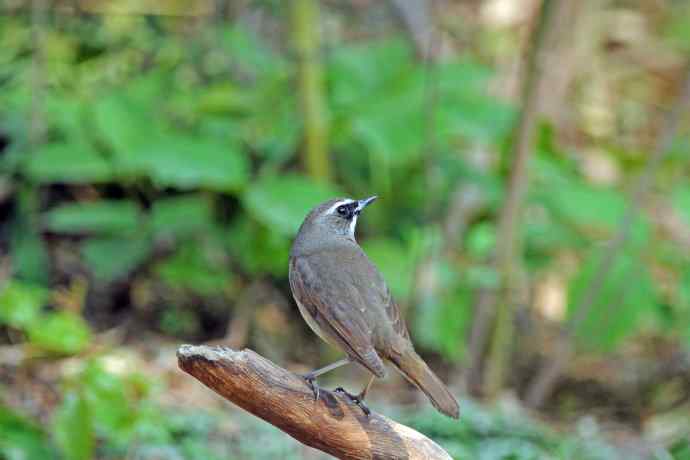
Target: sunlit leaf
{"points": [[123, 124], [60, 332], [73, 427], [21, 304], [186, 163], [67, 163], [282, 202], [22, 439], [112, 412], [104, 216], [481, 240]]}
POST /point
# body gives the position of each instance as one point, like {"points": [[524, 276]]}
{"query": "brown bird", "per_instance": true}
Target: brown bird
{"points": [[345, 300]]}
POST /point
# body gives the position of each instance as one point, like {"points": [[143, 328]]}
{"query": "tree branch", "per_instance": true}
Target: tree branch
{"points": [[332, 423]]}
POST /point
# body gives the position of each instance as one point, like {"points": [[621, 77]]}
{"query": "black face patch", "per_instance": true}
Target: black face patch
{"points": [[347, 211]]}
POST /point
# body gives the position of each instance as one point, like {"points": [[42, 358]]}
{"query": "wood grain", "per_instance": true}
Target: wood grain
{"points": [[332, 423]]}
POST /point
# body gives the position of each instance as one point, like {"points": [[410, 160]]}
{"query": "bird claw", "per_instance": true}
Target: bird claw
{"points": [[357, 399], [311, 382]]}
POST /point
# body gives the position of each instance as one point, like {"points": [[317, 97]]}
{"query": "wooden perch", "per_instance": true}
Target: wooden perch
{"points": [[332, 423]]}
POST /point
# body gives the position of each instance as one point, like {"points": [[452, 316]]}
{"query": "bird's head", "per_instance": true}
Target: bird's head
{"points": [[337, 216]]}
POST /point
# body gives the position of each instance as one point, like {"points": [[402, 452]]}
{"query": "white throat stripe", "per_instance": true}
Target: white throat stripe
{"points": [[353, 224]]}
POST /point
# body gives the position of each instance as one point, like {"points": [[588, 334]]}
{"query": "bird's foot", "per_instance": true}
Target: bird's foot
{"points": [[311, 382], [357, 399]]}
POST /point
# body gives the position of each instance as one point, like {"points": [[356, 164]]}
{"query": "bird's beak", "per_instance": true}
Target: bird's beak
{"points": [[361, 204]]}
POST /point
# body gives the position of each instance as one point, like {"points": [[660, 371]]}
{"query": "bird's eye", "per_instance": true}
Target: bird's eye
{"points": [[342, 210]]}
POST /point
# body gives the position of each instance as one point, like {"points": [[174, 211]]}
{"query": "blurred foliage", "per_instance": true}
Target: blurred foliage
{"points": [[157, 159], [508, 434]]}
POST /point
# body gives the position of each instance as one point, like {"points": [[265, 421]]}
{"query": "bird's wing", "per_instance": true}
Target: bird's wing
{"points": [[337, 306], [374, 288]]}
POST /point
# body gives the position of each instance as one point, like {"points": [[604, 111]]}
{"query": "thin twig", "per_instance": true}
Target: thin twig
{"points": [[543, 383], [332, 423]]}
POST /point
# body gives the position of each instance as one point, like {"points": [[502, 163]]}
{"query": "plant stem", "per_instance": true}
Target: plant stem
{"points": [[307, 40], [507, 248]]}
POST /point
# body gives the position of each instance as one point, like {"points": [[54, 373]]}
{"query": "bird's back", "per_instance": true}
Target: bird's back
{"points": [[360, 281]]}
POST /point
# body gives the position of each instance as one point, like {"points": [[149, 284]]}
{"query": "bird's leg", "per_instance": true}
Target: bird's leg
{"points": [[363, 393], [359, 398], [310, 377]]}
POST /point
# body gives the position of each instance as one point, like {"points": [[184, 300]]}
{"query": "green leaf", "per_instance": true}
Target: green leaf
{"points": [[681, 320], [482, 276], [441, 322], [448, 321], [676, 28], [393, 132], [111, 258], [181, 216], [29, 255], [224, 98], [587, 206], [272, 127], [681, 201], [28, 249], [352, 80], [60, 332], [573, 201], [627, 293], [395, 263], [123, 124], [465, 107], [186, 163], [104, 216], [481, 240], [282, 202], [73, 427], [113, 415], [66, 113], [249, 52], [194, 267], [258, 249], [21, 304], [71, 163], [22, 439]]}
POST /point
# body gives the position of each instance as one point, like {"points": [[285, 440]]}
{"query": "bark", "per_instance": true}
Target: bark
{"points": [[331, 423]]}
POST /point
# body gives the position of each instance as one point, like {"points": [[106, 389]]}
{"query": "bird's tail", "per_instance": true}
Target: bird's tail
{"points": [[417, 372]]}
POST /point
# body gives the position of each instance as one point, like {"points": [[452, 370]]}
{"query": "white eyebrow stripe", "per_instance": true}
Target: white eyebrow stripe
{"points": [[339, 203]]}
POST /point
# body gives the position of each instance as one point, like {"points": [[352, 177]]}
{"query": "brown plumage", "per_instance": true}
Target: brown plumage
{"points": [[346, 301]]}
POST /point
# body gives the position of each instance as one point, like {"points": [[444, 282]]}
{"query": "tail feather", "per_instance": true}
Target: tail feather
{"points": [[418, 373]]}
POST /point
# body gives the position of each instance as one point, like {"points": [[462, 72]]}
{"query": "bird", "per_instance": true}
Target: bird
{"points": [[345, 300]]}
